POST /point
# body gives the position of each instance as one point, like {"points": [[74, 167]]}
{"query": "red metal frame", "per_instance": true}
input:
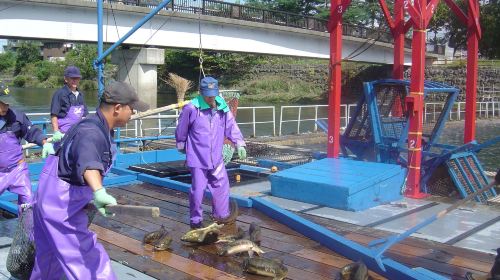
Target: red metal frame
{"points": [[396, 26], [337, 8], [473, 36], [420, 12]]}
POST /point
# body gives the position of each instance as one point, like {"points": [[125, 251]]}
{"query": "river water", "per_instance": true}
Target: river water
{"points": [[38, 101]]}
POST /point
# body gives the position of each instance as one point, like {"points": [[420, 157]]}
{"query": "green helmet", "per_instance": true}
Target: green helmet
{"points": [[4, 89]]}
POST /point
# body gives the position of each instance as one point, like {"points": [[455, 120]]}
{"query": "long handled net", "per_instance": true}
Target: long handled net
{"points": [[21, 258]]}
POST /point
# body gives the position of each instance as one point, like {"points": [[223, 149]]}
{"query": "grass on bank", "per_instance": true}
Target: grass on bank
{"points": [[279, 89], [459, 63]]}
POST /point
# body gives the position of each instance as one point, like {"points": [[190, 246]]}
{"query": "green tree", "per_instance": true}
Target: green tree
{"points": [[44, 69], [489, 45], [359, 12], [439, 19], [7, 60], [303, 7], [225, 66], [456, 30], [82, 56], [26, 52]]}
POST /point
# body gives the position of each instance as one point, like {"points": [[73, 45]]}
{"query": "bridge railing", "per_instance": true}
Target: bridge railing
{"points": [[249, 13]]}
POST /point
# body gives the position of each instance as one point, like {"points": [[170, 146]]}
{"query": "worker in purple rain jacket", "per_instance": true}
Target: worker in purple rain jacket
{"points": [[67, 106], [14, 126], [70, 179], [200, 133]]}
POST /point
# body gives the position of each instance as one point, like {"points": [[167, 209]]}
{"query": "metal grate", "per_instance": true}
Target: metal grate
{"points": [[361, 129], [257, 151], [391, 108], [468, 176], [441, 183]]}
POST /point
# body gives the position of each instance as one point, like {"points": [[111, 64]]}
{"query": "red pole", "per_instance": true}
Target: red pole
{"points": [[415, 102], [399, 40], [333, 146], [471, 83], [399, 51]]}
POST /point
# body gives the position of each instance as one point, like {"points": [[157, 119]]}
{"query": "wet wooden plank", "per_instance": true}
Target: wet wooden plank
{"points": [[158, 195], [442, 249], [308, 267], [335, 261], [172, 260], [428, 253], [408, 258], [432, 261], [182, 199], [246, 216], [207, 254], [163, 201], [460, 261], [136, 228], [144, 264], [434, 251]]}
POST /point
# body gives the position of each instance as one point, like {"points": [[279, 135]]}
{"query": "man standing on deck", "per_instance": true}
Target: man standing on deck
{"points": [[68, 106], [69, 181], [203, 124], [14, 126]]}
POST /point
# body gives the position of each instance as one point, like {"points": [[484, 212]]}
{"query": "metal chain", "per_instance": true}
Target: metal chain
{"points": [[200, 48]]}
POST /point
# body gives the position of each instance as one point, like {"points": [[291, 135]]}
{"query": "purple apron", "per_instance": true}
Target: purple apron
{"points": [[14, 175], [64, 245], [74, 115]]}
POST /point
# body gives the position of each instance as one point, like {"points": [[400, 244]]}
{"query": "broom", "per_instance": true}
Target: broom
{"points": [[180, 84]]}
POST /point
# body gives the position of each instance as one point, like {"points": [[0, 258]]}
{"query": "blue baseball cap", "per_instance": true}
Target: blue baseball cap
{"points": [[72, 72], [209, 87]]}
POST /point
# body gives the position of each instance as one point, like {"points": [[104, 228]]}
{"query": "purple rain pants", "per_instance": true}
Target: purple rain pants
{"points": [[74, 115], [218, 184], [64, 245], [14, 174]]}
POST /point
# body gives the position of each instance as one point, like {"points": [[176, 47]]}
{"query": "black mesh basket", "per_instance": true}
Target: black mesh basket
{"points": [[21, 258]]}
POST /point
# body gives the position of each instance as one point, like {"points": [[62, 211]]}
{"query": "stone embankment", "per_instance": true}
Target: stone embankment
{"points": [[355, 74]]}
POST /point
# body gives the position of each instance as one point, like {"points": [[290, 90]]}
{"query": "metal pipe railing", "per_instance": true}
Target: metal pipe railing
{"points": [[137, 129]]}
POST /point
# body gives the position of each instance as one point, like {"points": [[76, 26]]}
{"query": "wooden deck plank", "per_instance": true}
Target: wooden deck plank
{"points": [[330, 260], [136, 228], [419, 252], [165, 201], [144, 264], [181, 198], [346, 228], [172, 260], [207, 254], [310, 267], [423, 254]]}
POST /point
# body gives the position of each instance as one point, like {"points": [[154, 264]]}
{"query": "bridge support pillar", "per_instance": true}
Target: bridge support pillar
{"points": [[139, 68]]}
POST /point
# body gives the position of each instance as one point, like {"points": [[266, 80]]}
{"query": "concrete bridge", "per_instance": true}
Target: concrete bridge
{"points": [[76, 21]]}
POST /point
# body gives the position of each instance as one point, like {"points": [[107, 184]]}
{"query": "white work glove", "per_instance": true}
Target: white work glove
{"points": [[242, 153], [102, 199], [58, 136], [47, 149]]}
